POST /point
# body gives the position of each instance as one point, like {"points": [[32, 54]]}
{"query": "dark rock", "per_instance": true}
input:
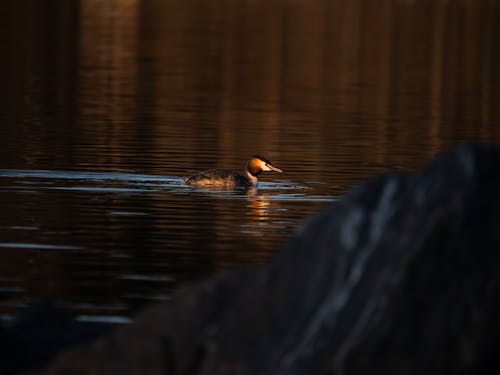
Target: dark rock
{"points": [[399, 277], [37, 332]]}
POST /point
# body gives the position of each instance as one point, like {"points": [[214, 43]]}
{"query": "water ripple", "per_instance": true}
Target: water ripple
{"points": [[146, 183]]}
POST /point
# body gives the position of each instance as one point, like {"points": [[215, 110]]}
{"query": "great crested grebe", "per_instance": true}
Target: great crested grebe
{"points": [[247, 179]]}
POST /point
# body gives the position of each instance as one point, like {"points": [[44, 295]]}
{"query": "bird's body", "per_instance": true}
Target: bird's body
{"points": [[227, 179]]}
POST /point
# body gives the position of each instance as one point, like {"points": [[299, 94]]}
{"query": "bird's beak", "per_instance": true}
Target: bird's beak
{"points": [[273, 168]]}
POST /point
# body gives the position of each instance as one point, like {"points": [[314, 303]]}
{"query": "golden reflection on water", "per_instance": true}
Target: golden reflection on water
{"points": [[258, 210], [227, 78]]}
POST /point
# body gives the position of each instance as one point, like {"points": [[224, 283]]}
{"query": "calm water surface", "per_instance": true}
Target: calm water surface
{"points": [[107, 105]]}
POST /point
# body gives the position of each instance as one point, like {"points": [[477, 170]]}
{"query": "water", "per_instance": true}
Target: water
{"points": [[106, 242], [107, 105]]}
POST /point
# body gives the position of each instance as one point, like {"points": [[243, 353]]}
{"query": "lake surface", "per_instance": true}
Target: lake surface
{"points": [[107, 105]]}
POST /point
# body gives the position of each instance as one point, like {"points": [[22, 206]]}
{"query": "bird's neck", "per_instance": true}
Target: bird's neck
{"points": [[253, 179]]}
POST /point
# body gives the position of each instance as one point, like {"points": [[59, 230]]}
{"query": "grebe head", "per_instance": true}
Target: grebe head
{"points": [[258, 164]]}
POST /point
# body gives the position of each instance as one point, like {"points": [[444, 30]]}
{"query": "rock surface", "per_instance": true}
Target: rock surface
{"points": [[401, 276], [37, 332]]}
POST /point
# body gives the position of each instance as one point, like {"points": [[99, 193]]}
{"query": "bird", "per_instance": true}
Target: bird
{"points": [[228, 179]]}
